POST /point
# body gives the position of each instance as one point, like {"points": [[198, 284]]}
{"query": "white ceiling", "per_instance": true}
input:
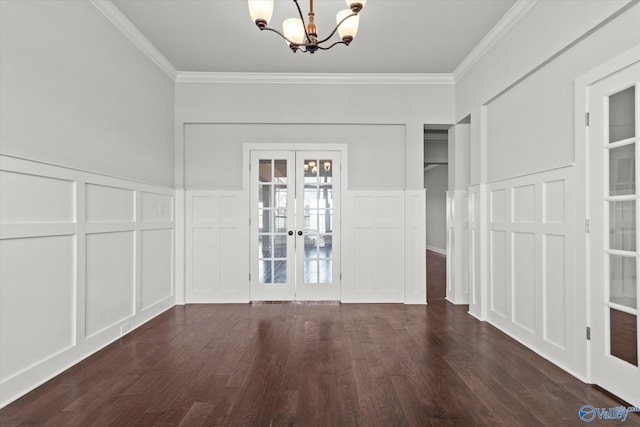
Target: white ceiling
{"points": [[395, 36]]}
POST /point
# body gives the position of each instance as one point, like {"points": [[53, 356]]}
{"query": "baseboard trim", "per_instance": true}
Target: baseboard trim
{"points": [[437, 250]]}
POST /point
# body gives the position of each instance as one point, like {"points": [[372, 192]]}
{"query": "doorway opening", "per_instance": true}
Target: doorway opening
{"points": [[436, 183]]}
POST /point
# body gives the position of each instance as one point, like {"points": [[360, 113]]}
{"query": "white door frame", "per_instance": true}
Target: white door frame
{"points": [[248, 148], [583, 366]]}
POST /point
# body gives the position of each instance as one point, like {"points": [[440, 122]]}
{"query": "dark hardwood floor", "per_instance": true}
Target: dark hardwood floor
{"points": [[312, 364], [436, 276]]}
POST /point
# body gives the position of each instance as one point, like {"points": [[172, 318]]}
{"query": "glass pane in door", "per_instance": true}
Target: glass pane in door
{"points": [[622, 170], [272, 221], [622, 225], [622, 111], [318, 221], [623, 280], [623, 336]]}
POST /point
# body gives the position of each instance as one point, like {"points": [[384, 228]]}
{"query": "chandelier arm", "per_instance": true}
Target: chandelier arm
{"points": [[336, 28], [281, 35], [329, 47], [304, 24]]}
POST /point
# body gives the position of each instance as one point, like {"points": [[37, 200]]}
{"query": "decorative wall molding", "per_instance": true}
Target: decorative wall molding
{"points": [[513, 15], [373, 247], [216, 246], [316, 78], [531, 243], [121, 22], [92, 255]]}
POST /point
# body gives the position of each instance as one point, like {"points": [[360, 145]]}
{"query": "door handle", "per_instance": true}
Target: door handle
{"points": [[290, 233], [299, 233]]}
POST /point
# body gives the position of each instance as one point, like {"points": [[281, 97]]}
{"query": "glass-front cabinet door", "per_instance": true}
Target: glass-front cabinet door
{"points": [[295, 208]]}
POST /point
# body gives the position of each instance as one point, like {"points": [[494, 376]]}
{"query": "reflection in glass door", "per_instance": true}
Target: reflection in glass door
{"points": [[615, 143], [295, 225]]}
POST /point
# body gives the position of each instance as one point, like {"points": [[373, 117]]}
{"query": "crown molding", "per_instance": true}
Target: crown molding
{"points": [[121, 22], [316, 78], [513, 15]]}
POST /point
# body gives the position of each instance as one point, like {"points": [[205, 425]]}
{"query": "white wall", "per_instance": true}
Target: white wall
{"points": [[213, 152], [76, 92], [408, 105], [436, 181], [527, 250]]}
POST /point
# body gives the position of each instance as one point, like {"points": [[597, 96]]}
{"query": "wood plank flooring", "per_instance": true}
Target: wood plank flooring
{"points": [[311, 365]]}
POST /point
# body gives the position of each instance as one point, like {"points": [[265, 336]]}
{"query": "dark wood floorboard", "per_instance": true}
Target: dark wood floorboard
{"points": [[313, 365]]}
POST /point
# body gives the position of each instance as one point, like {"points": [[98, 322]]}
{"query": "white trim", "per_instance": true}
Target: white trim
{"points": [[121, 22], [437, 250], [513, 15], [316, 78]]}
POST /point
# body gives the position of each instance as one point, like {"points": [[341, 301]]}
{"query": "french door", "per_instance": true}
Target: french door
{"points": [[295, 225], [614, 139]]}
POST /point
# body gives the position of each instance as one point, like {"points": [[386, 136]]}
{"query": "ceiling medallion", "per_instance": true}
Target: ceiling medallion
{"points": [[301, 36]]}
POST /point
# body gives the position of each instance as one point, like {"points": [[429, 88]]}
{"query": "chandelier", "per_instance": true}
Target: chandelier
{"points": [[303, 36]]}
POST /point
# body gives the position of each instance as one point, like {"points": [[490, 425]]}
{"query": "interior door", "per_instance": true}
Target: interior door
{"points": [[272, 226], [295, 225], [614, 238], [318, 226]]}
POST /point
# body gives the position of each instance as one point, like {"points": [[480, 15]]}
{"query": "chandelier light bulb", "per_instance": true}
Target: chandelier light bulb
{"points": [[327, 166], [293, 29], [348, 28], [312, 163], [261, 10]]}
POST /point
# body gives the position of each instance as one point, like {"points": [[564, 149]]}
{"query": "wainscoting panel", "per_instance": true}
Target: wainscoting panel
{"points": [[523, 204], [157, 207], [553, 202], [524, 280], [373, 246], [499, 273], [458, 240], [156, 266], [110, 282], [54, 204], [498, 205], [554, 289], [532, 256], [415, 291], [36, 301], [217, 246], [109, 204], [77, 258]]}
